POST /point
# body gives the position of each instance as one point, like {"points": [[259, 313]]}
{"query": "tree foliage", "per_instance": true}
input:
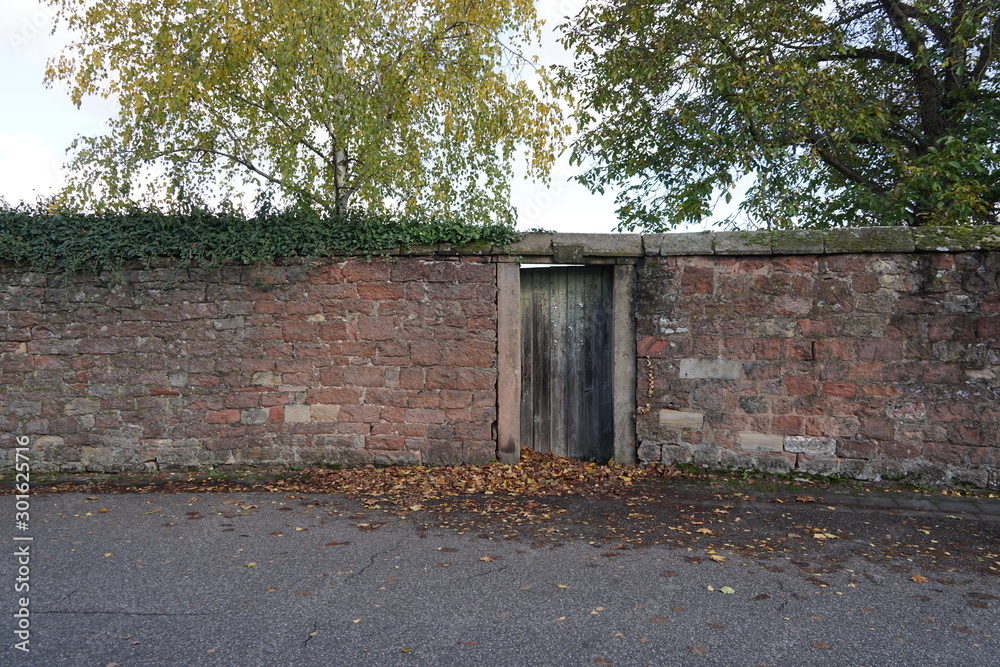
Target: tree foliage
{"points": [[846, 112], [414, 107]]}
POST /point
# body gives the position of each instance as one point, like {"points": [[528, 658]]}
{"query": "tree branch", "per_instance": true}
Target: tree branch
{"points": [[284, 122], [930, 91], [901, 22], [844, 170], [516, 54], [987, 55], [907, 136], [860, 13], [956, 51], [869, 54], [942, 35]]}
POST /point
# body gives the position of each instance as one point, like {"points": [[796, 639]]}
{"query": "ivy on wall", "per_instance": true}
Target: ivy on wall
{"points": [[72, 241]]}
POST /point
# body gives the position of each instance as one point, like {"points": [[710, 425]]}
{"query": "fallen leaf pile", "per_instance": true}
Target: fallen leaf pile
{"points": [[536, 474]]}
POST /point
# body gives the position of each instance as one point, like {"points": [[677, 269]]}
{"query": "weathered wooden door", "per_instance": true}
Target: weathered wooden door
{"points": [[566, 403]]}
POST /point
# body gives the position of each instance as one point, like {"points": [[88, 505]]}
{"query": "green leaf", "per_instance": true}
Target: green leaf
{"points": [[414, 109], [816, 103]]}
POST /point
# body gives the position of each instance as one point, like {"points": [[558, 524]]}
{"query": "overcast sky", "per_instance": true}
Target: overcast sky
{"points": [[37, 125]]}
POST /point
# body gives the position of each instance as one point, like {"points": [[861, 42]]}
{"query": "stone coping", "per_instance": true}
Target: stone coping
{"points": [[567, 247]]}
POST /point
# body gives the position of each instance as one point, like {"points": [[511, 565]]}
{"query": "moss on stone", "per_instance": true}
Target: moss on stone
{"points": [[956, 239], [868, 240]]}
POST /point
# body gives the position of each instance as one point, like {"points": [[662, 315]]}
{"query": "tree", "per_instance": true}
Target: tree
{"points": [[845, 112], [399, 106]]}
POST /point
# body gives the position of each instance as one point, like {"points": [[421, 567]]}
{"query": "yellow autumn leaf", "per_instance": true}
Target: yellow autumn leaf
{"points": [[336, 104]]}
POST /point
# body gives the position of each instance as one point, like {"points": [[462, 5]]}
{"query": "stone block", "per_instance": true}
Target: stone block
{"points": [[651, 244], [599, 245], [753, 405], [711, 369], [818, 465], [775, 463], [339, 442], [797, 242], [706, 455], [97, 459], [223, 417], [396, 458], [857, 449], [868, 240], [177, 457], [568, 253], [81, 406], [682, 420], [255, 416], [343, 456], [479, 453], [267, 379], [666, 245], [531, 244], [298, 414], [49, 441], [26, 408], [649, 452], [742, 243], [677, 453], [761, 442], [955, 239], [803, 444]]}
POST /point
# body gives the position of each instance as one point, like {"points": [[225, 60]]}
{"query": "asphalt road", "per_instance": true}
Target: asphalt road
{"points": [[254, 578]]}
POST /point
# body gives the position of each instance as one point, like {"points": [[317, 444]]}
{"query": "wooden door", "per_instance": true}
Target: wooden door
{"points": [[566, 404]]}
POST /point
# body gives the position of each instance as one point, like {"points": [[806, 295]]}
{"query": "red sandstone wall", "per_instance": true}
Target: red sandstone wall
{"points": [[343, 363], [861, 365], [858, 365]]}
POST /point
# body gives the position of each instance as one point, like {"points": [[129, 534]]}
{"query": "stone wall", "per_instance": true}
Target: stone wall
{"points": [[862, 353], [803, 354], [352, 362]]}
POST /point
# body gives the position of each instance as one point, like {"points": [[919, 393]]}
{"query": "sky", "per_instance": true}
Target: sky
{"points": [[37, 124]]}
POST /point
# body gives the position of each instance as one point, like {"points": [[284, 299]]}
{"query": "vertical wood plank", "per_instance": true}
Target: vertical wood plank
{"points": [[527, 359], [557, 358], [571, 354]]}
